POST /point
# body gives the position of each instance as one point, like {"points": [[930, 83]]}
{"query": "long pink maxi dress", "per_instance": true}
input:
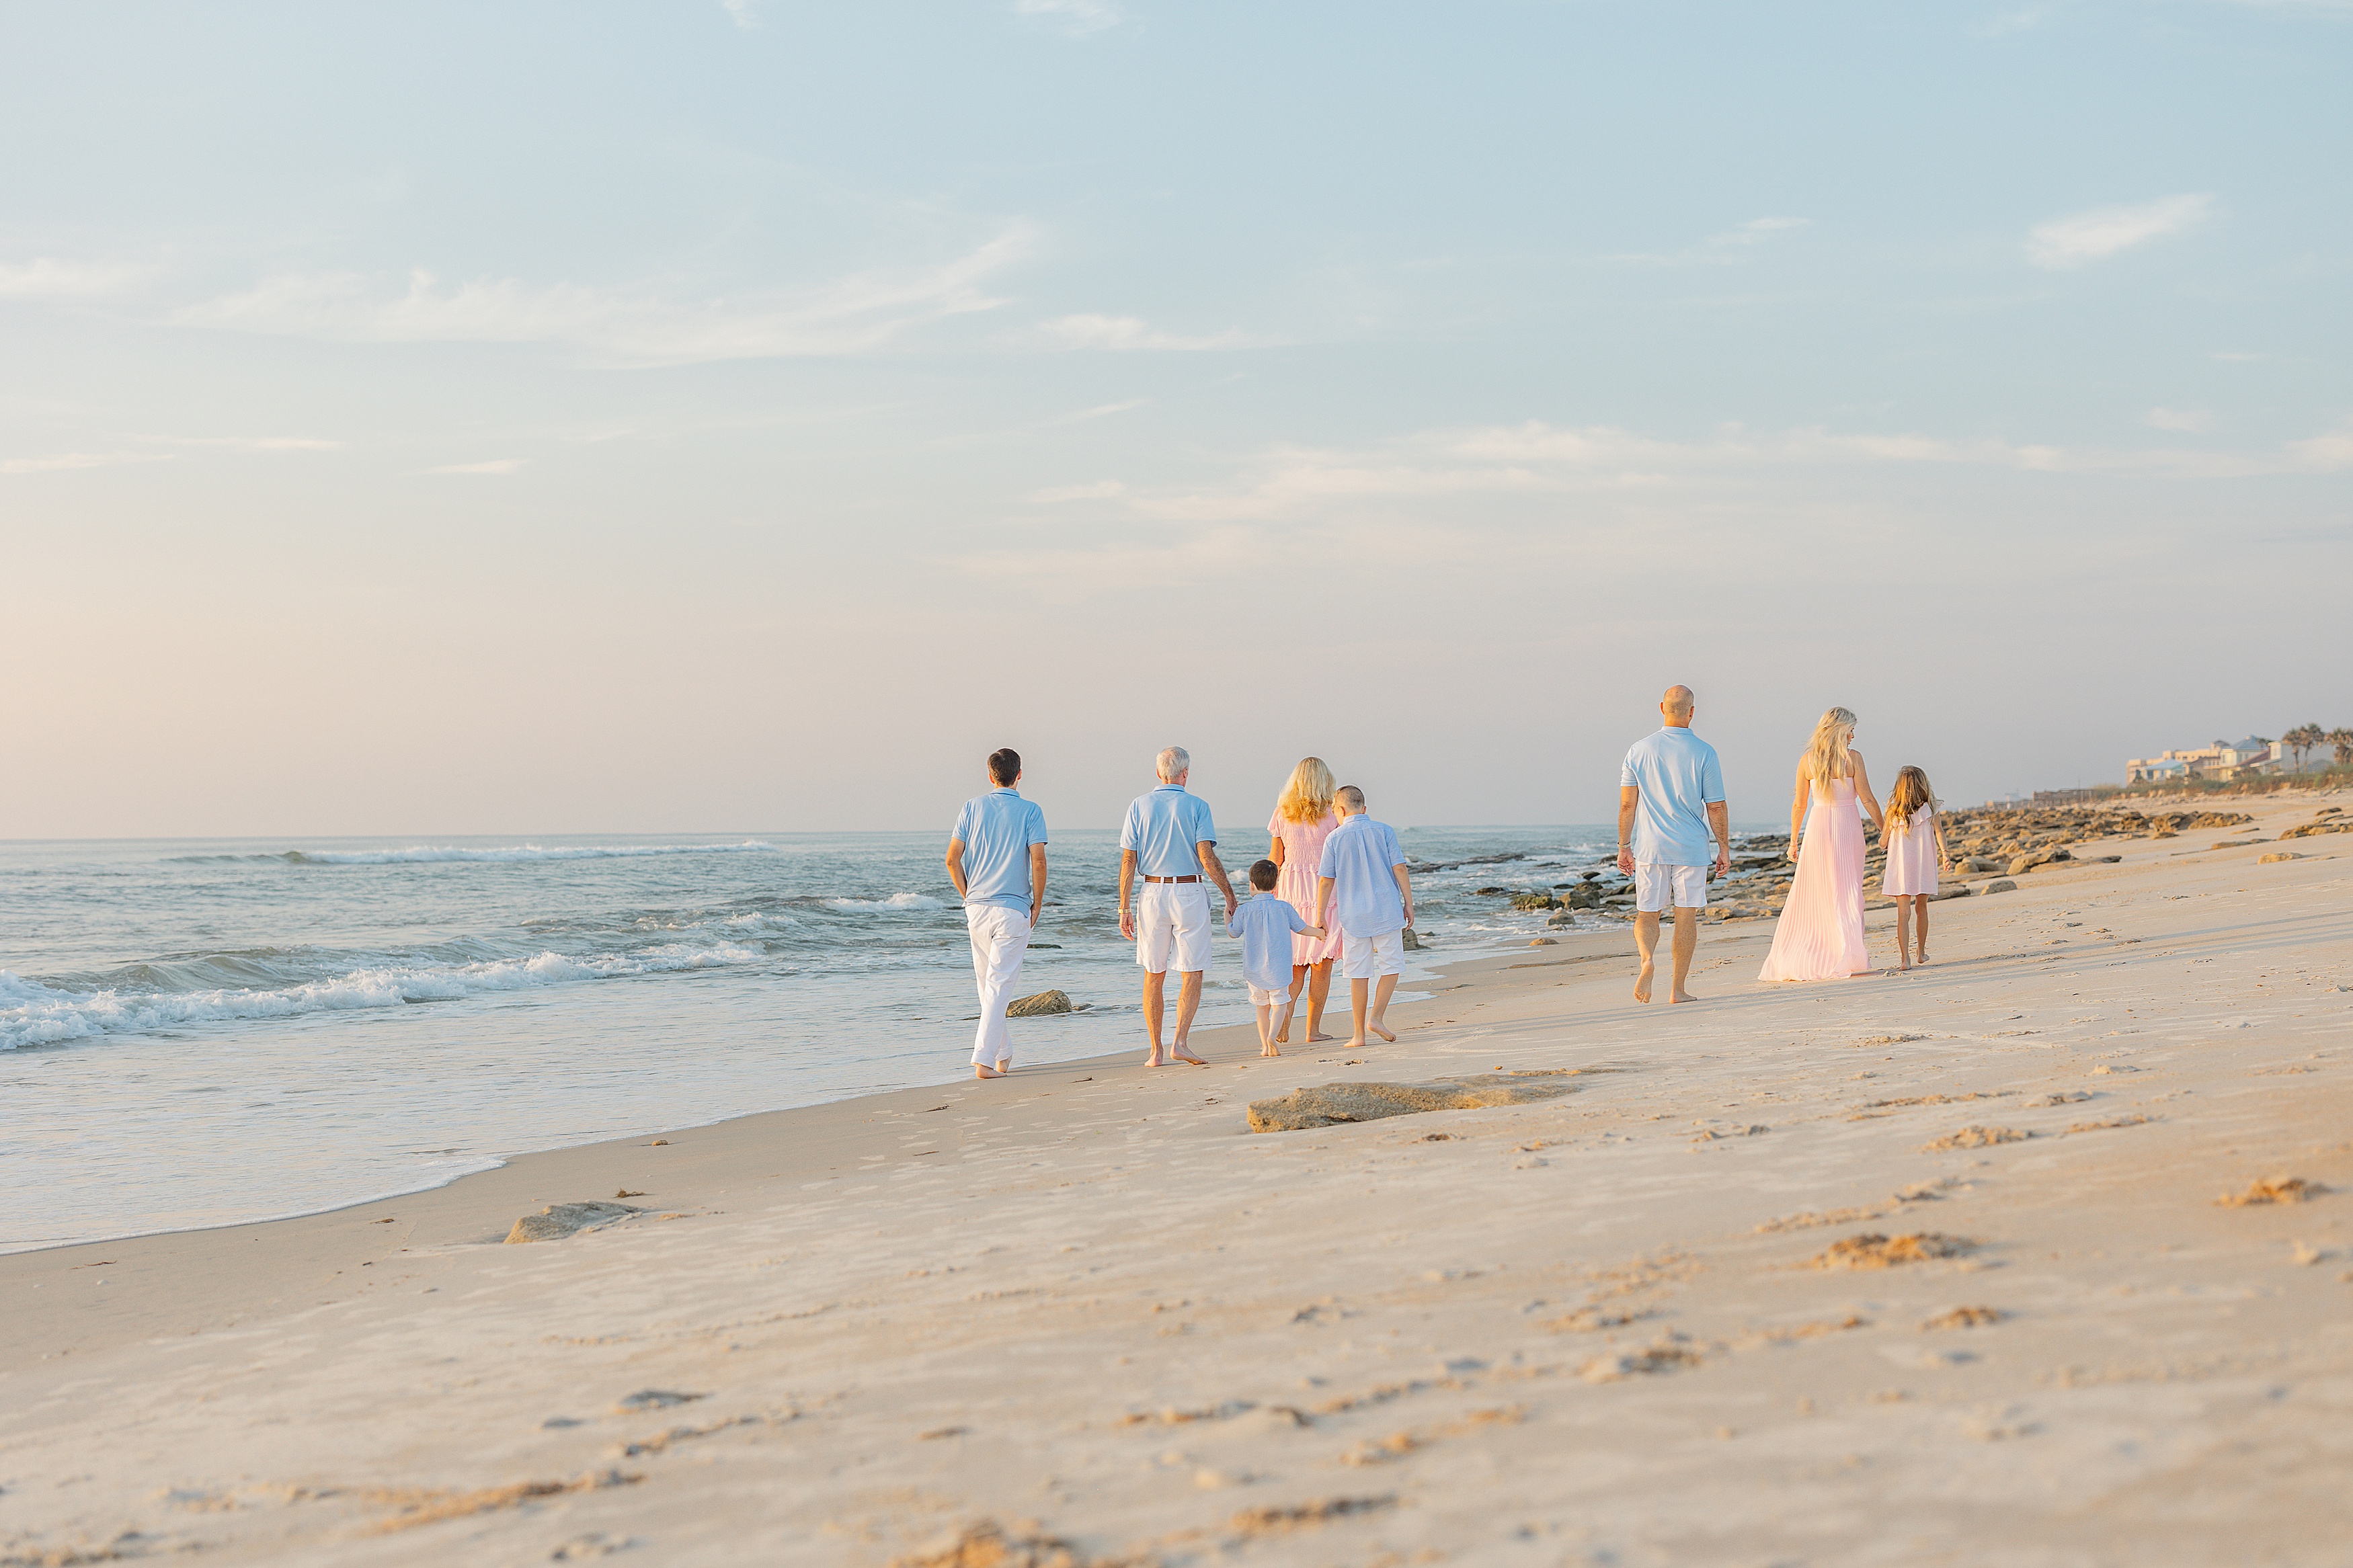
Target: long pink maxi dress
{"points": [[1911, 856], [1819, 933], [1303, 853]]}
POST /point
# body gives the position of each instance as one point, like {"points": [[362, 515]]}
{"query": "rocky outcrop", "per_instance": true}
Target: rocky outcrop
{"points": [[1327, 1104], [557, 1221], [1042, 1003]]}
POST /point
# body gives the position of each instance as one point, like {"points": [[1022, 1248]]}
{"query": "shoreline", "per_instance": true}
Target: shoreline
{"points": [[1097, 1312]]}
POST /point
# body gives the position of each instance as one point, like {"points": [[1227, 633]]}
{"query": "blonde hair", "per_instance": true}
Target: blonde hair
{"points": [[1911, 793], [1308, 797], [1826, 754]]}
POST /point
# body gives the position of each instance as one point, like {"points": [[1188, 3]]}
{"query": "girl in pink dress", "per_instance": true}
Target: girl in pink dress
{"points": [[1303, 819], [1819, 933], [1914, 841]]}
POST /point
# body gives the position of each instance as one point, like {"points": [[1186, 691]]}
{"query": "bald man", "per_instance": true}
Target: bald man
{"points": [[1670, 805]]}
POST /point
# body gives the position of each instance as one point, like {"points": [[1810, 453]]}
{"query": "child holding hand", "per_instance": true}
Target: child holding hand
{"points": [[1914, 841], [1265, 924]]}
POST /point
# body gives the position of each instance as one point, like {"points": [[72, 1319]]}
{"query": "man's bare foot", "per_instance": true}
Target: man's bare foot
{"points": [[1383, 1032], [1318, 1037], [1356, 1045], [980, 1072], [1642, 984], [1184, 1053], [1681, 996], [1153, 1060], [1004, 1064]]}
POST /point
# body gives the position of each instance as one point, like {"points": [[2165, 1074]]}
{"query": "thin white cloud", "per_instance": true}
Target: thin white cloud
{"points": [[858, 314], [52, 277], [1131, 332], [1077, 18], [1100, 411], [251, 443], [1102, 490], [495, 466], [2089, 236], [64, 461], [1755, 231], [1539, 458], [1721, 249], [745, 13], [2189, 421], [2328, 453], [2005, 24]]}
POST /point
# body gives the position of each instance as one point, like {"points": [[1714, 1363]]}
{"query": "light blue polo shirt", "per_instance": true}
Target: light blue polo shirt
{"points": [[1679, 779], [1162, 828], [998, 829], [1359, 858]]}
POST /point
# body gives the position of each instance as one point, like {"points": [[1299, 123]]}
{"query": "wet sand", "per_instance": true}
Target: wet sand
{"points": [[1087, 1310]]}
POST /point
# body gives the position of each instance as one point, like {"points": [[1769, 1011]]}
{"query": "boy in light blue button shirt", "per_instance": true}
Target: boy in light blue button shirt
{"points": [[1265, 924]]}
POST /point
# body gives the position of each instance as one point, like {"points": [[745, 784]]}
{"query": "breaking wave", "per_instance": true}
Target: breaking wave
{"points": [[32, 1014], [427, 853]]}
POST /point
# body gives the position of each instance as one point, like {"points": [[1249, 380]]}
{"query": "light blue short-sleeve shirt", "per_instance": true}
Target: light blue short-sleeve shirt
{"points": [[998, 829], [1679, 779], [1162, 826], [1265, 925], [1359, 858]]}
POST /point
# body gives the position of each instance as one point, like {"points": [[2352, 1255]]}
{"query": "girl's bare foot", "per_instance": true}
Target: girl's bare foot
{"points": [[1283, 1038], [1924, 955], [1269, 1051], [1356, 1045], [1383, 1032], [1317, 1038]]}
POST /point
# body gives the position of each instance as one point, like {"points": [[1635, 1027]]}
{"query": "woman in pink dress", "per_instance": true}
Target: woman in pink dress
{"points": [[1819, 933], [1303, 819]]}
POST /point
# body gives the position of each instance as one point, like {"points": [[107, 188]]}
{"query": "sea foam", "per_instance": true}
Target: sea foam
{"points": [[32, 1014], [427, 854]]}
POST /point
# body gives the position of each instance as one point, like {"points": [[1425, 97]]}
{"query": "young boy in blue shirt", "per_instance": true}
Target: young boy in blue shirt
{"points": [[1265, 924]]}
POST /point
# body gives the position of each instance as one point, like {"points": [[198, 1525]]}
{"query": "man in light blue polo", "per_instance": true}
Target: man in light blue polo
{"points": [[1669, 805], [1169, 841], [1364, 885], [996, 859]]}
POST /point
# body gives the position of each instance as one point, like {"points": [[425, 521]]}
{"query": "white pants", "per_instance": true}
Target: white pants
{"points": [[1172, 920], [1001, 940], [1655, 883], [1364, 957], [1269, 995]]}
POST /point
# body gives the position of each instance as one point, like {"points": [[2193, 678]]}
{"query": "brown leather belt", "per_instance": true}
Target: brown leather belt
{"points": [[1172, 879]]}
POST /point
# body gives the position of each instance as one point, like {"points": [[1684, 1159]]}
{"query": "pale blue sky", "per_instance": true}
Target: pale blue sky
{"points": [[695, 416]]}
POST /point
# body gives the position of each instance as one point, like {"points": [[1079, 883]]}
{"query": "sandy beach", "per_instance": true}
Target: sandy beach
{"points": [[1932, 1268]]}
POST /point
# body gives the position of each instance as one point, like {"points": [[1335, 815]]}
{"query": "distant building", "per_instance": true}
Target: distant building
{"points": [[2222, 760]]}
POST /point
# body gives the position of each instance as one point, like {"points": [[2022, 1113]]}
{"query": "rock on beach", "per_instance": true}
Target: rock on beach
{"points": [[1325, 1104], [557, 1221], [1043, 1002]]}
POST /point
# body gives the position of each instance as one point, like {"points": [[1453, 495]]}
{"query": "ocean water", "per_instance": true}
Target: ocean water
{"points": [[207, 1032]]}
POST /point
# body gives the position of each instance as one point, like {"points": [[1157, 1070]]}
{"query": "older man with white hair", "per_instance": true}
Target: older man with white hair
{"points": [[1170, 842]]}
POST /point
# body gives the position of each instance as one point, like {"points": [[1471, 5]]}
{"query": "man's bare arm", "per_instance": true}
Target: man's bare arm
{"points": [[1404, 889], [1037, 880], [955, 865], [1719, 822], [1629, 797], [1216, 870], [1126, 885]]}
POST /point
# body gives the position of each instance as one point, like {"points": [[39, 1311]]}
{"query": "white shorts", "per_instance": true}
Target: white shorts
{"points": [[1172, 920], [1652, 882], [1271, 995], [1363, 957]]}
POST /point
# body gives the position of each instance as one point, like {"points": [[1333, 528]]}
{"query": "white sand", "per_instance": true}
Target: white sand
{"points": [[1087, 1303]]}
